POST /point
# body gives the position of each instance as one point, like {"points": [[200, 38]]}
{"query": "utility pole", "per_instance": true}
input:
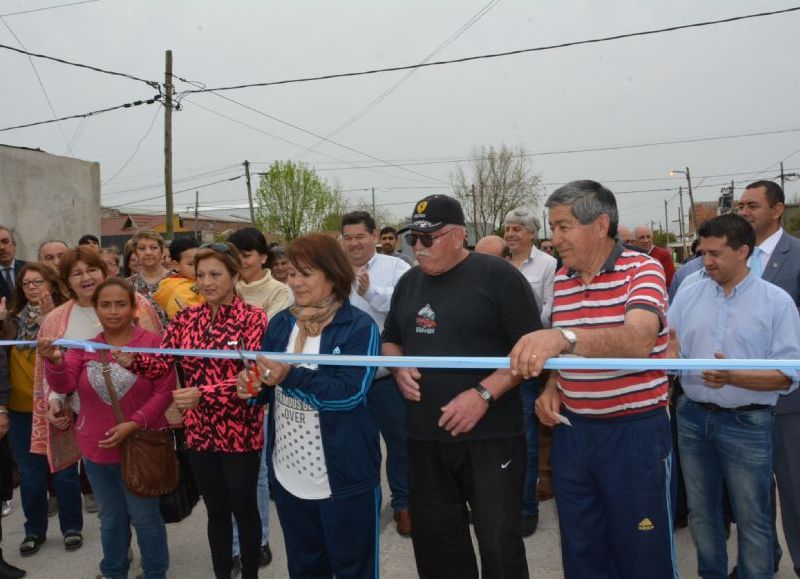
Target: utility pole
{"points": [[544, 223], [196, 214], [373, 202], [783, 178], [680, 223], [691, 201], [666, 223], [249, 192], [170, 232]]}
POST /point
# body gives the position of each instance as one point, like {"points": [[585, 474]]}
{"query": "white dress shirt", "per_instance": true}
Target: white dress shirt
{"points": [[540, 271], [384, 273]]}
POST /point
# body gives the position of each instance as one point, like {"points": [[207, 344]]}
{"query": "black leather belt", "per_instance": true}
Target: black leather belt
{"points": [[711, 407]]}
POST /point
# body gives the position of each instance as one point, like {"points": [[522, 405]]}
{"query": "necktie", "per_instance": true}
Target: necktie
{"points": [[755, 262], [9, 275]]}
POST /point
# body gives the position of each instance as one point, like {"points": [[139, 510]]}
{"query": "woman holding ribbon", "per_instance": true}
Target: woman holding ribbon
{"points": [[142, 403], [81, 270], [36, 294], [223, 433], [323, 439]]}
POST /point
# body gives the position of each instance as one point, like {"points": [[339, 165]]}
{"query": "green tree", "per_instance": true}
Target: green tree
{"points": [[660, 238], [293, 200]]}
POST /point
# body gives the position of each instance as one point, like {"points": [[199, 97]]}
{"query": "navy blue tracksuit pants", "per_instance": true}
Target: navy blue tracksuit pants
{"points": [[330, 537], [614, 489]]}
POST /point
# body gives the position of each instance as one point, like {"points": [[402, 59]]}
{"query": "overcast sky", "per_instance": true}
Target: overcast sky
{"points": [[714, 81]]}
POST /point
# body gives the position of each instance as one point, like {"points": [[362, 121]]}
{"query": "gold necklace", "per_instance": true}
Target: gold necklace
{"points": [[87, 317]]}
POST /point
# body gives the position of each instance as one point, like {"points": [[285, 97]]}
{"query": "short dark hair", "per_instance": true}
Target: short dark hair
{"points": [[225, 252], [388, 229], [119, 282], [734, 228], [251, 239], [356, 217], [181, 244], [322, 252], [588, 201], [87, 238], [774, 191]]}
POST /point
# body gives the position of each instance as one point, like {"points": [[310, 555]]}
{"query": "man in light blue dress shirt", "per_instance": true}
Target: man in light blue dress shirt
{"points": [[725, 418]]}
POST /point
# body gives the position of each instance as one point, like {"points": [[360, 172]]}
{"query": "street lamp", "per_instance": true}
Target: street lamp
{"points": [[692, 212]]}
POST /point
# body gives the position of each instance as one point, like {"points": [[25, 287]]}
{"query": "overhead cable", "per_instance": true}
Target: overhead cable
{"points": [[497, 54]]}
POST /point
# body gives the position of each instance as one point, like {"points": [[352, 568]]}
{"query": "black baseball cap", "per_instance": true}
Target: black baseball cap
{"points": [[433, 213]]}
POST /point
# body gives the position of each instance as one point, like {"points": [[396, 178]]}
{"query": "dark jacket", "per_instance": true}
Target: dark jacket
{"points": [[349, 432], [5, 291]]}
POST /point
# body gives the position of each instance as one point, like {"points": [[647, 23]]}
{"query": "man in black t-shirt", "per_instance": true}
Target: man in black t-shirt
{"points": [[465, 427]]}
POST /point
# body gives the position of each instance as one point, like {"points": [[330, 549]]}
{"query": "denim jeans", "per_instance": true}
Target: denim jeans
{"points": [[119, 509], [389, 408], [530, 502], [263, 498], [734, 448], [33, 469]]}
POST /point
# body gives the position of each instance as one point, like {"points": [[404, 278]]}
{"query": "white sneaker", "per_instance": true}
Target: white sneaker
{"points": [[6, 508]]}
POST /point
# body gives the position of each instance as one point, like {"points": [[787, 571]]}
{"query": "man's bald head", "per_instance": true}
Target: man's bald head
{"points": [[626, 235], [644, 237], [493, 245]]}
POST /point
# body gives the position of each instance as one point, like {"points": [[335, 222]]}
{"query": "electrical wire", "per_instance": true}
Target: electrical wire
{"points": [[150, 101], [41, 86], [160, 196], [47, 8], [386, 93], [499, 54], [150, 83], [220, 171], [135, 150]]}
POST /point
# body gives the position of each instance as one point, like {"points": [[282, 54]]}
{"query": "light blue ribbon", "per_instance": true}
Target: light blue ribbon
{"points": [[452, 362]]}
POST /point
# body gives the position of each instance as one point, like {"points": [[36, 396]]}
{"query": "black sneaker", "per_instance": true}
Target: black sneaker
{"points": [[236, 568], [529, 524], [266, 556]]}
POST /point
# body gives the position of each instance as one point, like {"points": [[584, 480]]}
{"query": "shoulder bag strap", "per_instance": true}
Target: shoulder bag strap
{"points": [[109, 386]]}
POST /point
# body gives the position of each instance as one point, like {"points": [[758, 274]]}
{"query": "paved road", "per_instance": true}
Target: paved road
{"points": [[190, 555]]}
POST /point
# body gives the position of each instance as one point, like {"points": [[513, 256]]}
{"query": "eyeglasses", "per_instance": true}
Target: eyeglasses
{"points": [[425, 240], [217, 246], [33, 283]]}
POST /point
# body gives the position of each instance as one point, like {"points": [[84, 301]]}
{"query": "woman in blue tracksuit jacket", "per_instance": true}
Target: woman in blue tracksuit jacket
{"points": [[322, 437]]}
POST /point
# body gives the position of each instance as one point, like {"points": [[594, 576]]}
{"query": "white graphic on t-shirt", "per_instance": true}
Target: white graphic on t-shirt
{"points": [[426, 320]]}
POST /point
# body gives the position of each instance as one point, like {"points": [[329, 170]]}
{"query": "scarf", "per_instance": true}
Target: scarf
{"points": [[311, 319], [28, 322]]}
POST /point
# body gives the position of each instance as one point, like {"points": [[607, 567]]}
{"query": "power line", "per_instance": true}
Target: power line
{"points": [[150, 83], [41, 85], [498, 54], [84, 115], [135, 150], [385, 94], [47, 8], [215, 172], [584, 150], [176, 192]]}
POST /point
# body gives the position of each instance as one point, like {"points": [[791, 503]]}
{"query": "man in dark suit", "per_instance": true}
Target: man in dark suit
{"points": [[9, 266], [777, 257]]}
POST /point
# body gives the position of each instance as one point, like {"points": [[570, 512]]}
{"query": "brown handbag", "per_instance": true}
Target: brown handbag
{"points": [[147, 457]]}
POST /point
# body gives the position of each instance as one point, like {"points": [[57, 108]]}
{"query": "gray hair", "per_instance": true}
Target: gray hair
{"points": [[42, 244], [10, 232], [524, 217], [588, 201]]}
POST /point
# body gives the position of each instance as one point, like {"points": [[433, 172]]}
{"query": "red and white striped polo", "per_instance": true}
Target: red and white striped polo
{"points": [[628, 280]]}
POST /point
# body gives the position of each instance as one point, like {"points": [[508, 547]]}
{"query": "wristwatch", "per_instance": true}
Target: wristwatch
{"points": [[570, 337], [484, 393]]}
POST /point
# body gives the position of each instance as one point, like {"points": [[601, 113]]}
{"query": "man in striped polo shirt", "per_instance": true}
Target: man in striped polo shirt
{"points": [[612, 449]]}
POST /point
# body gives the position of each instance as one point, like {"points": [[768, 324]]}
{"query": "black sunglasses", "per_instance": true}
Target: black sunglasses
{"points": [[217, 246], [425, 240]]}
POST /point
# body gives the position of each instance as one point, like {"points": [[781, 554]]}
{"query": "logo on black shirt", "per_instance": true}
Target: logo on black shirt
{"points": [[426, 320]]}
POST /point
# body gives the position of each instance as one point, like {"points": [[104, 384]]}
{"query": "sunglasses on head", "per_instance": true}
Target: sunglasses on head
{"points": [[217, 246], [425, 240]]}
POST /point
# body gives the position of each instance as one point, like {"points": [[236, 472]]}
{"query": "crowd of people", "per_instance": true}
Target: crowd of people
{"points": [[629, 454]]}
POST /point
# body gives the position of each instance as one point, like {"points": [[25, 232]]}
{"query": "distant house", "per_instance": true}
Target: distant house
{"points": [[118, 227], [705, 210]]}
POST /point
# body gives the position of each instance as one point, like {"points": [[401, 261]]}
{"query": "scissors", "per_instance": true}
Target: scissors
{"points": [[253, 367]]}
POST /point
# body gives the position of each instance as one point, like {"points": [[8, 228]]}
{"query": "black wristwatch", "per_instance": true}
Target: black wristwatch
{"points": [[484, 393]]}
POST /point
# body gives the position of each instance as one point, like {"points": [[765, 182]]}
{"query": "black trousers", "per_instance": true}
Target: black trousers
{"points": [[444, 477], [228, 482]]}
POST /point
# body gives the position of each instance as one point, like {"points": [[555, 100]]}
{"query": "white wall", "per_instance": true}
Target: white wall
{"points": [[45, 196]]}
